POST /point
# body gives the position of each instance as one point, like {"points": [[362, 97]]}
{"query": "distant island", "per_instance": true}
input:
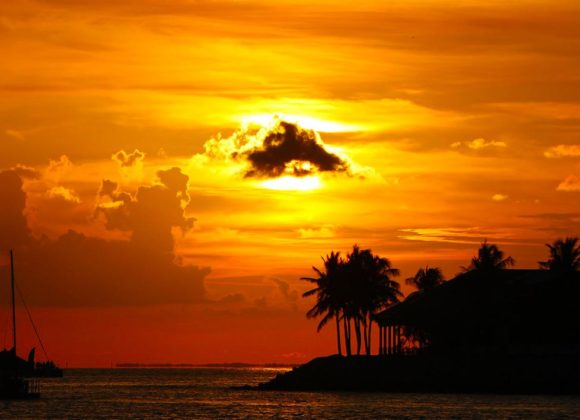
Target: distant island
{"points": [[234, 365], [489, 329]]}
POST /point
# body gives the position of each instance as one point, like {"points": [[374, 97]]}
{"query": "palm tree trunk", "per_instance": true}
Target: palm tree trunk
{"points": [[364, 334], [357, 332], [369, 348], [346, 323], [338, 334]]}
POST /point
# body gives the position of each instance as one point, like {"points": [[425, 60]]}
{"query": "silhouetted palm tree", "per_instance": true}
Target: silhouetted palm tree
{"points": [[352, 291], [373, 288], [426, 278], [489, 258], [356, 267], [330, 297], [384, 291], [564, 256]]}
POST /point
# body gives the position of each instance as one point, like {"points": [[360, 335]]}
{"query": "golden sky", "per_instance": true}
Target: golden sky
{"points": [[145, 214]]}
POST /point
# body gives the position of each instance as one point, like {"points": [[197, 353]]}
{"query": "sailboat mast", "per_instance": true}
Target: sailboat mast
{"points": [[13, 300]]}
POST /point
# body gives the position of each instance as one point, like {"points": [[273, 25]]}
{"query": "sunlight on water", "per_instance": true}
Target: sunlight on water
{"points": [[206, 394]]}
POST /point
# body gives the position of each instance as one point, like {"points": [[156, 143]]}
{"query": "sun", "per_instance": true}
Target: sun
{"points": [[292, 183]]}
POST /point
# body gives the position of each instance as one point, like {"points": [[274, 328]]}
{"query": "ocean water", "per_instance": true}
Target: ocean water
{"points": [[204, 393]]}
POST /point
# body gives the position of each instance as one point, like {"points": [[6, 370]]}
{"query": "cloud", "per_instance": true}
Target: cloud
{"points": [[26, 172], [126, 160], [78, 270], [175, 180], [323, 232], [108, 188], [467, 235], [63, 193], [15, 134], [283, 149], [13, 226], [284, 287], [152, 212], [571, 183], [479, 145], [563, 150], [499, 197], [58, 168]]}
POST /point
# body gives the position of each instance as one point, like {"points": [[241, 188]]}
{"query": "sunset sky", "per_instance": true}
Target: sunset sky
{"points": [[151, 217]]}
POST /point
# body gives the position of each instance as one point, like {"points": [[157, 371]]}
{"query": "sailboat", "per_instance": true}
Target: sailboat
{"points": [[13, 383]]}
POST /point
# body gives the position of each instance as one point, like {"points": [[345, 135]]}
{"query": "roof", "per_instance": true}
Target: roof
{"points": [[477, 294]]}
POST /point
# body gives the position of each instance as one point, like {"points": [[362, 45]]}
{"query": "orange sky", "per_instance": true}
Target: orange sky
{"points": [[452, 122]]}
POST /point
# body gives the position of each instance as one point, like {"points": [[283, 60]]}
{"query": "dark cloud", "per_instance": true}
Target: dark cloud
{"points": [[152, 212], [108, 188], [175, 180], [288, 149], [13, 227], [77, 270]]}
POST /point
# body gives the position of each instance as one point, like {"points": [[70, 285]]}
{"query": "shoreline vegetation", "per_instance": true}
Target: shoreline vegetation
{"points": [[489, 329]]}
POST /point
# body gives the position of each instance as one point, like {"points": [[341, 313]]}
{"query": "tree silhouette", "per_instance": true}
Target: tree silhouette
{"points": [[330, 297], [426, 278], [373, 289], [489, 258], [352, 291], [564, 256]]}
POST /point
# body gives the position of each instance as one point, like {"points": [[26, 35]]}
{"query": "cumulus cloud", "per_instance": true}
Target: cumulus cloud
{"points": [[563, 150], [108, 188], [151, 212], [56, 171], [126, 160], [13, 227], [57, 168], [63, 193], [79, 270], [282, 149], [26, 172], [571, 183]]}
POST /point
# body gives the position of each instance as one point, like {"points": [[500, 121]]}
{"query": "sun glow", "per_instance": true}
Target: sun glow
{"points": [[291, 183], [317, 124]]}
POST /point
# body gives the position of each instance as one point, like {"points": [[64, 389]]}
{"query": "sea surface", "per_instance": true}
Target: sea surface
{"points": [[204, 393]]}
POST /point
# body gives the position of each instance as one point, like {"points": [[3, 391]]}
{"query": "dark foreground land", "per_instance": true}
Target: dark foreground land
{"points": [[426, 373]]}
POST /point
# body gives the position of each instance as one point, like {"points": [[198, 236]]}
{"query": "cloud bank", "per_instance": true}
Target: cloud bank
{"points": [[77, 270]]}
